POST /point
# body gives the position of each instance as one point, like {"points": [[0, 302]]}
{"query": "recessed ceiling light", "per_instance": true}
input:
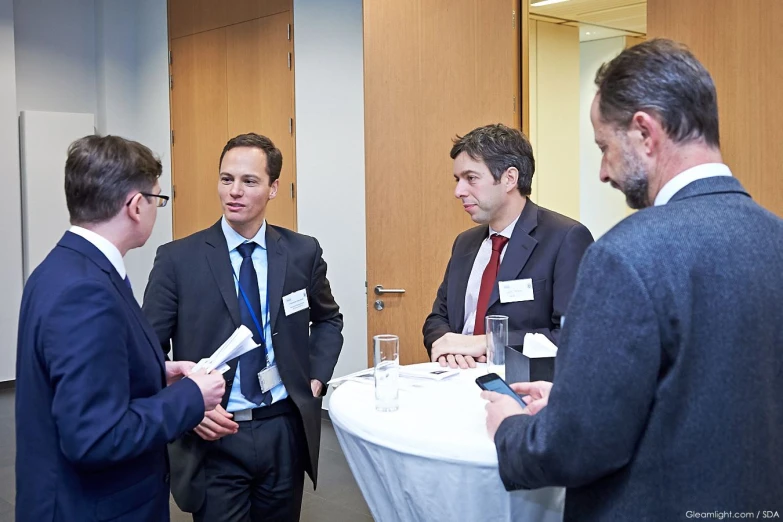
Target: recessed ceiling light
{"points": [[547, 2]]}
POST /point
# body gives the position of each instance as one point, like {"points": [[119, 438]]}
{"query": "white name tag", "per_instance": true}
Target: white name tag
{"points": [[295, 302], [268, 378], [516, 291]]}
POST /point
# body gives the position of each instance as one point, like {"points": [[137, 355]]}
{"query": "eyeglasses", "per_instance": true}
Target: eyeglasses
{"points": [[161, 199]]}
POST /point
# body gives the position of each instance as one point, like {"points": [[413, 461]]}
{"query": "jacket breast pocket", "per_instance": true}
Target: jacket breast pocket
{"points": [[531, 309], [540, 290]]}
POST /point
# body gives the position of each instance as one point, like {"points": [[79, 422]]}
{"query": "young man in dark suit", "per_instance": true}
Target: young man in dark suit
{"points": [[518, 244], [247, 459], [666, 400], [95, 401]]}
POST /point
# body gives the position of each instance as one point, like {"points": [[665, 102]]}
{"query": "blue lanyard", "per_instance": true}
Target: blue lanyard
{"points": [[259, 326]]}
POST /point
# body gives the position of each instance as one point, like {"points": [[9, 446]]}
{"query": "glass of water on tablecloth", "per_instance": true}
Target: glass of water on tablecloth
{"points": [[497, 339], [387, 372]]}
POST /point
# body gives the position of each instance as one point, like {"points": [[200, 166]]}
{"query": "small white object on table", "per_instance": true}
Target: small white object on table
{"points": [[432, 459]]}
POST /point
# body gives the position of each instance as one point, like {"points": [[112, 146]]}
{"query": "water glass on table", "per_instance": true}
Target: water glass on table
{"points": [[387, 372], [497, 339]]}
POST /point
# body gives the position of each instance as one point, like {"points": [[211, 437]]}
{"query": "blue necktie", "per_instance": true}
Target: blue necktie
{"points": [[253, 361], [127, 283]]}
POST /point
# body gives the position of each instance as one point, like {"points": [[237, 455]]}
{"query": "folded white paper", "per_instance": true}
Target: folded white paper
{"points": [[360, 376], [240, 342], [536, 345], [410, 377], [437, 374], [204, 362]]}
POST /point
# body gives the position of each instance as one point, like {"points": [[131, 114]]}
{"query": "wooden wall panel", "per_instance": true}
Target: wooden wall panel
{"points": [[230, 76], [433, 69], [261, 97], [739, 41], [198, 117], [188, 17]]}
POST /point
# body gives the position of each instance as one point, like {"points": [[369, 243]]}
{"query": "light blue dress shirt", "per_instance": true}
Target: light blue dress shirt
{"points": [[237, 401]]}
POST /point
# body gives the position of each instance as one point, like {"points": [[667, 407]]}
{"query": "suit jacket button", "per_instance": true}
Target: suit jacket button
{"points": [[166, 478]]}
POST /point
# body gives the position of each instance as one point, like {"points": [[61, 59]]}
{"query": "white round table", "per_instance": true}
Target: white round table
{"points": [[432, 459]]}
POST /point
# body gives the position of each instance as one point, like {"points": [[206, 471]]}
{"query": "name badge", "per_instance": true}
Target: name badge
{"points": [[295, 302], [516, 291], [268, 378]]}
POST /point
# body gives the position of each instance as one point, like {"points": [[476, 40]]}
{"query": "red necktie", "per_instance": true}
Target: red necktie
{"points": [[488, 282]]}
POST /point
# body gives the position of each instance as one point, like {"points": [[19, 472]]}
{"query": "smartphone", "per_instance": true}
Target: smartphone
{"points": [[493, 382]]}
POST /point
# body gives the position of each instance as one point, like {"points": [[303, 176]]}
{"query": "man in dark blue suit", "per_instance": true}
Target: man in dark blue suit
{"points": [[666, 401], [95, 401], [516, 244]]}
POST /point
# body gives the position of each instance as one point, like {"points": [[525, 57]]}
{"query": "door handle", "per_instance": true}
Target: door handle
{"points": [[380, 290]]}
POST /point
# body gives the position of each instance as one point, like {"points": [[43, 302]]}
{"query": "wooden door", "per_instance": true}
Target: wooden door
{"points": [[433, 69], [260, 86], [188, 17], [199, 121], [230, 75], [739, 43]]}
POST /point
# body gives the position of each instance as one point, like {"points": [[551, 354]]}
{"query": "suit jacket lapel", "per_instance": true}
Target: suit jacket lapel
{"points": [[220, 265], [520, 247], [276, 258], [461, 268]]}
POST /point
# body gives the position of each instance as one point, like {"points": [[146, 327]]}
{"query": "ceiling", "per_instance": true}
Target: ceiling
{"points": [[629, 16]]}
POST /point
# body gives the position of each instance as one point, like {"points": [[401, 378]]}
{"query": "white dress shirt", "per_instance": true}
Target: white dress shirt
{"points": [[686, 177], [474, 281], [237, 401], [106, 247]]}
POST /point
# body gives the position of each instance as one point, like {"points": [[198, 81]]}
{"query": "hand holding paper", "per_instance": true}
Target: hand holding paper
{"points": [[240, 342]]}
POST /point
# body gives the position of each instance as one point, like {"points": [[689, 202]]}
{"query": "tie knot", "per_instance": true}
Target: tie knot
{"points": [[498, 242], [246, 249]]}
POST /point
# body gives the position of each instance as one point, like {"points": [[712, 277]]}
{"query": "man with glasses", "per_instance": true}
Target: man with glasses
{"points": [[247, 459], [158, 199], [95, 401]]}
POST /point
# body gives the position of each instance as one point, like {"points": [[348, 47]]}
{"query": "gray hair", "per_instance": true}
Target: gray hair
{"points": [[661, 77]]}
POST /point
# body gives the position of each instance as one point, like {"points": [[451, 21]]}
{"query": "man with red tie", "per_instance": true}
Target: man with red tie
{"points": [[521, 261]]}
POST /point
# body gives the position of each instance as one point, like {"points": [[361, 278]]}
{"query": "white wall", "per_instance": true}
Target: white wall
{"points": [[601, 207], [44, 138], [55, 55], [328, 42], [10, 210], [133, 100], [554, 119], [108, 58]]}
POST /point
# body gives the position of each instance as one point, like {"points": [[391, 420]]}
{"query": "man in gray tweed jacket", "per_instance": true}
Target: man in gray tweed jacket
{"points": [[667, 401]]}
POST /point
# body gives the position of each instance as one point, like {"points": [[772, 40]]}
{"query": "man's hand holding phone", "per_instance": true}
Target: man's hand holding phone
{"points": [[504, 400]]}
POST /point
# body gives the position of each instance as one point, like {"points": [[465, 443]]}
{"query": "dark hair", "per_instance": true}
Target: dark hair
{"points": [[500, 148], [274, 158], [662, 77], [101, 172]]}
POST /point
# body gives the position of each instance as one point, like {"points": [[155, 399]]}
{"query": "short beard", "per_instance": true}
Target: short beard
{"points": [[636, 184], [636, 190]]}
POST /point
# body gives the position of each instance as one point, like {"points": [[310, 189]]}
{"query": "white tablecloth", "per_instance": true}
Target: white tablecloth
{"points": [[432, 459]]}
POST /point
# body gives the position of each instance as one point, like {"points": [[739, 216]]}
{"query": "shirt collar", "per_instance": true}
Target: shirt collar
{"points": [[506, 232], [234, 238], [686, 177], [106, 247]]}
